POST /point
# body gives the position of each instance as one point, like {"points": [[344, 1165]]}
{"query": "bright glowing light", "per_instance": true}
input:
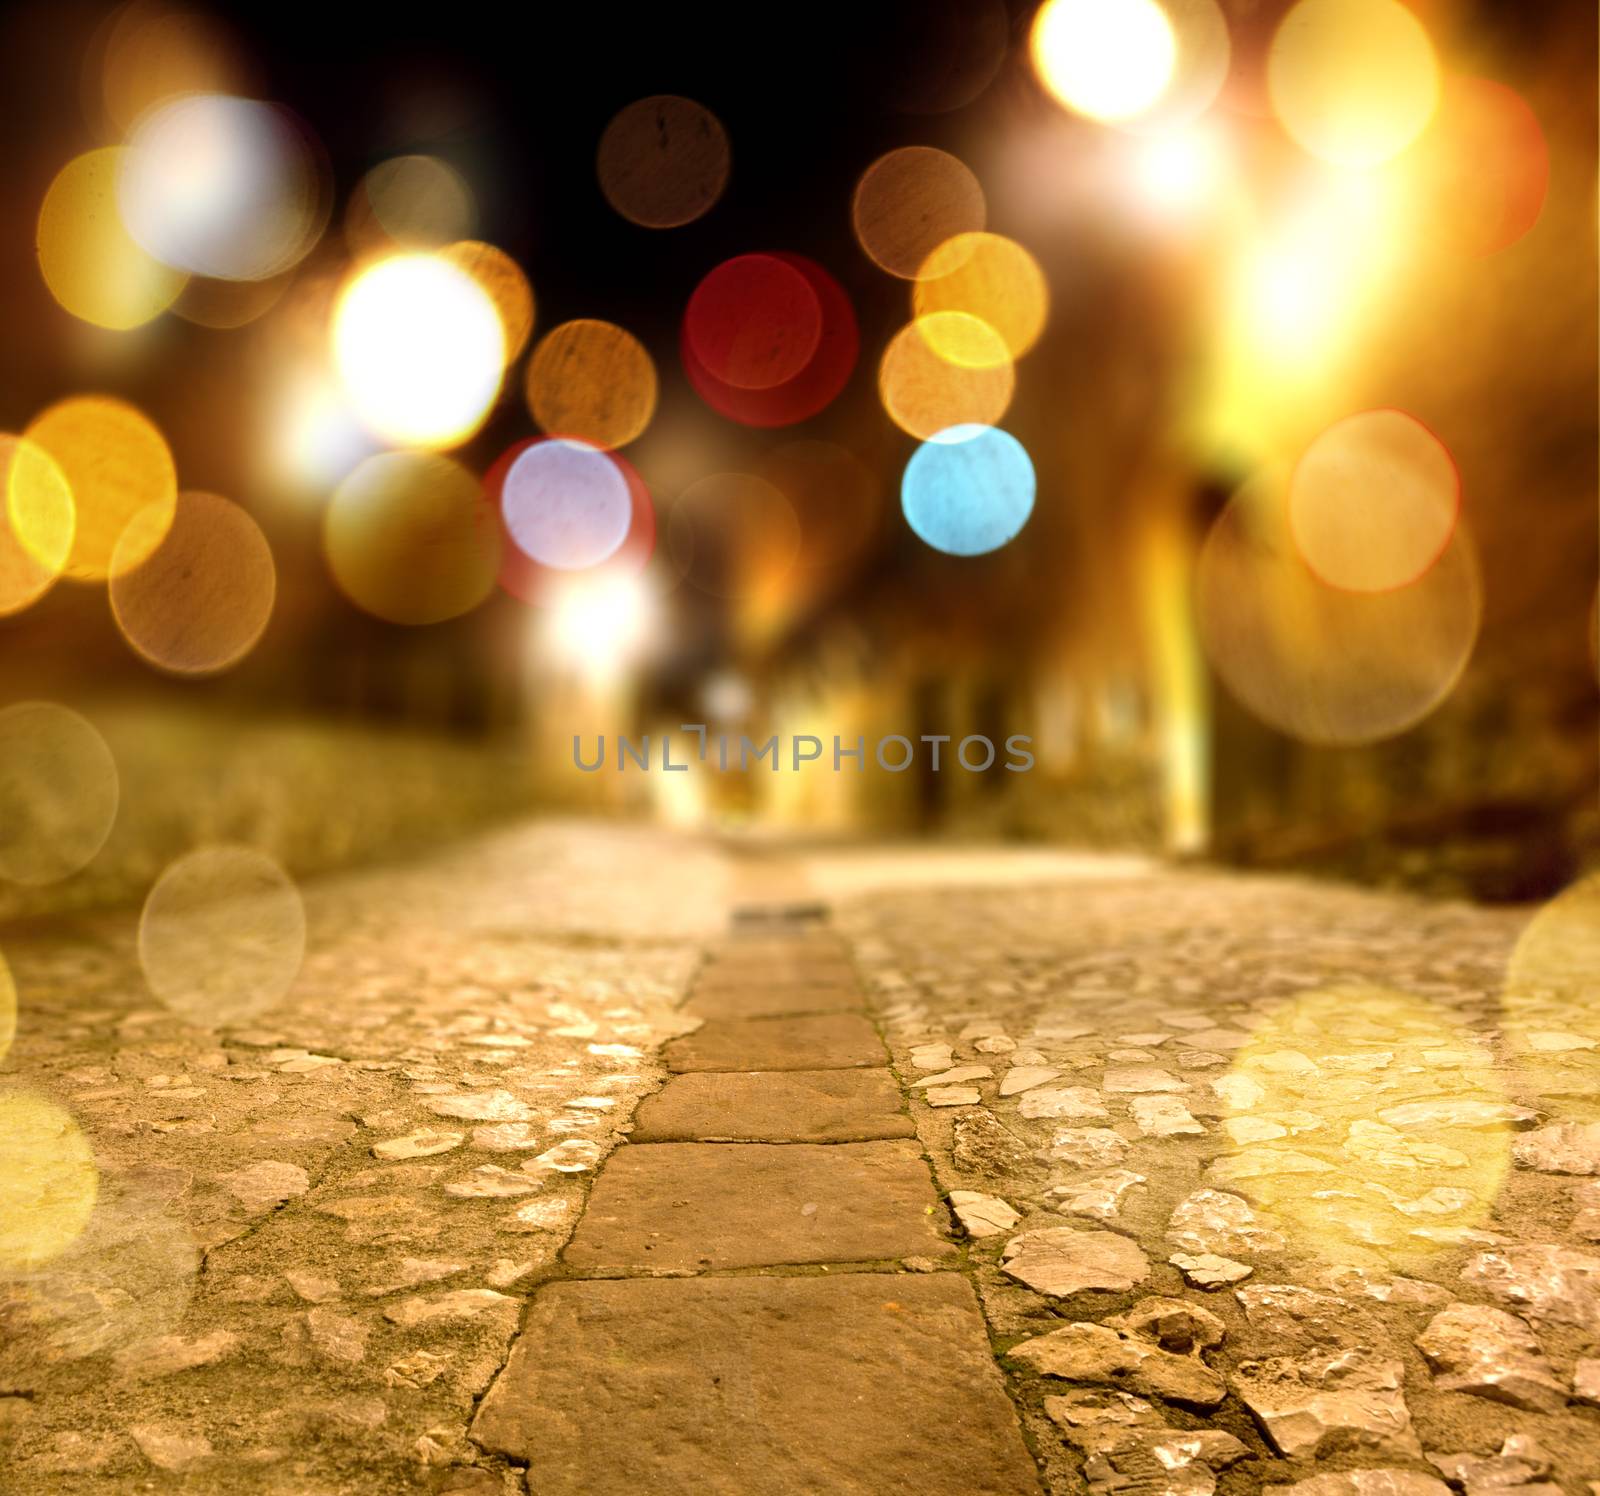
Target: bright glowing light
{"points": [[420, 350], [1108, 59], [968, 490], [1354, 81], [1176, 173], [503, 283], [926, 390], [600, 625], [989, 277], [222, 187], [318, 438], [566, 504], [39, 519], [48, 1181], [93, 266]]}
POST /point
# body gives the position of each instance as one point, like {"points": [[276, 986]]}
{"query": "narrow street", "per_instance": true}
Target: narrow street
{"points": [[586, 1158]]}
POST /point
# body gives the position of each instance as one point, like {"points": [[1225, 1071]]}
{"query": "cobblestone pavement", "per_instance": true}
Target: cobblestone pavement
{"points": [[1232, 1184]]}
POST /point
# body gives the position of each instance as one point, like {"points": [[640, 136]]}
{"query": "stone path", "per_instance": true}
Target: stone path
{"points": [[736, 1307]]}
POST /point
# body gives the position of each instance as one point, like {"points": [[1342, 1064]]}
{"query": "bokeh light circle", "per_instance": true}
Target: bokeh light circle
{"points": [[58, 792], [502, 281], [1108, 59], [201, 597], [754, 322], [1354, 1168], [925, 392], [909, 201], [223, 187], [36, 525], [592, 380], [988, 277], [1327, 664], [409, 203], [117, 465], [813, 388], [48, 1181], [968, 490], [566, 504], [1551, 1002], [227, 304], [1481, 169], [529, 580], [151, 51], [410, 538], [732, 535], [222, 935], [1353, 81], [420, 350], [836, 497], [93, 266], [663, 161], [1203, 54], [1373, 501]]}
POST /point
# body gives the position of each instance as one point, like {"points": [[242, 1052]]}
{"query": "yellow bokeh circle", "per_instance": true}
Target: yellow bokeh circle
{"points": [[592, 380], [925, 391], [39, 519], [58, 792], [502, 281], [988, 277], [48, 1181]]}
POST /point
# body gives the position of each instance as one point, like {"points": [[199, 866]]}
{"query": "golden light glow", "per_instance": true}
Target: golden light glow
{"points": [[1552, 1002], [8, 1010], [117, 465], [1354, 81], [202, 596], [225, 304], [1373, 500], [503, 282], [222, 935], [420, 350], [1203, 54], [410, 537], [153, 51], [48, 1181], [599, 625], [592, 380], [223, 187], [988, 277], [58, 792], [663, 161], [909, 202], [90, 262], [1108, 59], [1352, 1171], [925, 391], [1322, 663], [409, 203], [38, 521]]}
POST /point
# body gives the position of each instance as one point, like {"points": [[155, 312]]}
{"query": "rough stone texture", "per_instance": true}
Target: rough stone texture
{"points": [[1364, 1483], [1100, 1353], [1129, 1449], [1217, 1222], [1563, 1148], [804, 1106], [1318, 1405], [1473, 1348], [1174, 1324], [688, 1207], [1208, 1270], [1548, 1282], [777, 1385], [825, 1041], [761, 1000], [1060, 1261], [982, 1215]]}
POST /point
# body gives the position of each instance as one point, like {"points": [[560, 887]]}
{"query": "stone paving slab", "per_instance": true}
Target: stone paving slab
{"points": [[692, 1207], [758, 1387], [775, 1106], [826, 1041], [757, 1000], [740, 975]]}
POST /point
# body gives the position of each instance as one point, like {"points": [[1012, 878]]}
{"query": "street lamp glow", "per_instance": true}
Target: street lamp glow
{"points": [[1108, 59], [1175, 174], [599, 625], [419, 349]]}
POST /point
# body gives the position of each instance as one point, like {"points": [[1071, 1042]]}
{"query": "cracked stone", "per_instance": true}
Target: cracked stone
{"points": [[1387, 1148], [312, 1287], [1163, 1117], [1021, 1078], [1548, 1282], [931, 1056], [455, 1307], [954, 1077], [1061, 1261], [504, 1137], [169, 1448], [573, 1156], [1140, 1079], [1074, 1103], [1129, 1450], [1586, 1382], [1493, 1354], [1089, 1147], [1520, 1462], [1313, 1406], [982, 1215], [1098, 1197], [482, 1106], [1364, 1483], [1452, 1111], [1175, 1325], [334, 1336], [1219, 1223], [168, 1354], [415, 1271], [490, 1182], [953, 1096], [1097, 1353], [423, 1143], [265, 1185], [1209, 1271], [1562, 1148]]}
